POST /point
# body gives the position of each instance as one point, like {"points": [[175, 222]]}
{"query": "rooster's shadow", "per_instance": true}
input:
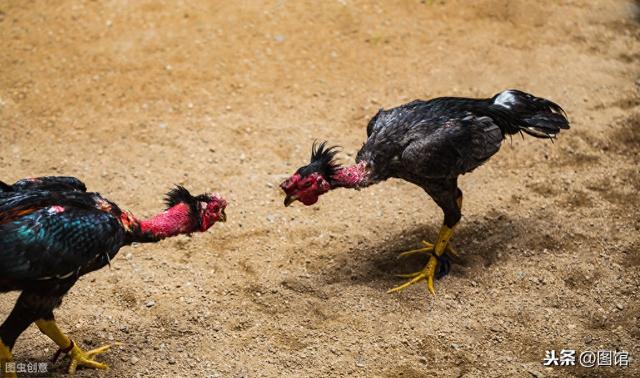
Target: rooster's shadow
{"points": [[480, 243]]}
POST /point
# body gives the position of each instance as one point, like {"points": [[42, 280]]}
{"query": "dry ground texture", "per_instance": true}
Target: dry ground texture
{"points": [[134, 96]]}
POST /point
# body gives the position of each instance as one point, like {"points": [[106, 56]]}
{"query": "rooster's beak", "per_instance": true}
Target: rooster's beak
{"points": [[223, 217], [288, 200]]}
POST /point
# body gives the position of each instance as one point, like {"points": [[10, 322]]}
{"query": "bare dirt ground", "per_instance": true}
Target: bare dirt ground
{"points": [[134, 96]]}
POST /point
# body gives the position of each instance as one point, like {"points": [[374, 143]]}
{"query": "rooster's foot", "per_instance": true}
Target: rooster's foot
{"points": [[438, 264], [427, 274], [86, 359]]}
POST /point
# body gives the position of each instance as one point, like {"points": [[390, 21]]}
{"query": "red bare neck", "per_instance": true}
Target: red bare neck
{"points": [[171, 222], [354, 176]]}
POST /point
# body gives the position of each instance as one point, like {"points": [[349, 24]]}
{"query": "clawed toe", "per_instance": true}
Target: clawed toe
{"points": [[428, 248], [416, 278], [427, 274], [100, 350], [408, 275], [86, 359]]}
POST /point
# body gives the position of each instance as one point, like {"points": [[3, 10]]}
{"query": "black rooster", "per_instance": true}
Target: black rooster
{"points": [[429, 143], [52, 232]]}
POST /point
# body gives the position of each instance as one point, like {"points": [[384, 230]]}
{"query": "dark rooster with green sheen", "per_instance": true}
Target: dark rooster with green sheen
{"points": [[52, 232], [429, 143]]}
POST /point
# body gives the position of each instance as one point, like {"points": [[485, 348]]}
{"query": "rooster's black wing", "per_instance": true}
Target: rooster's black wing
{"points": [[458, 146], [440, 138], [50, 244], [42, 239]]}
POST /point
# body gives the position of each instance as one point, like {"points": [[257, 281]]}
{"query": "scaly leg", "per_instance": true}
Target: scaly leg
{"points": [[5, 356], [435, 251], [428, 247], [429, 271], [66, 345]]}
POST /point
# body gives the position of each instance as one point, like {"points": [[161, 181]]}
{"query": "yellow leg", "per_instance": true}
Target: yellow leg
{"points": [[428, 273], [78, 356], [5, 356], [428, 247]]}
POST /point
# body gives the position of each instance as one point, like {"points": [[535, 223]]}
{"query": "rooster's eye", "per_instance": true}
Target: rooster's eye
{"points": [[306, 184]]}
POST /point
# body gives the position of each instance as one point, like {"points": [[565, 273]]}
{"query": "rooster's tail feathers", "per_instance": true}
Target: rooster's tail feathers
{"points": [[535, 116]]}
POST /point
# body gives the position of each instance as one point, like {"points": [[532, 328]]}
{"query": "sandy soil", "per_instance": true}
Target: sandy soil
{"points": [[135, 96]]}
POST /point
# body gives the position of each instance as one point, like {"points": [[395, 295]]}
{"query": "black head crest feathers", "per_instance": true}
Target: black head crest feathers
{"points": [[180, 194], [177, 195], [322, 161]]}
